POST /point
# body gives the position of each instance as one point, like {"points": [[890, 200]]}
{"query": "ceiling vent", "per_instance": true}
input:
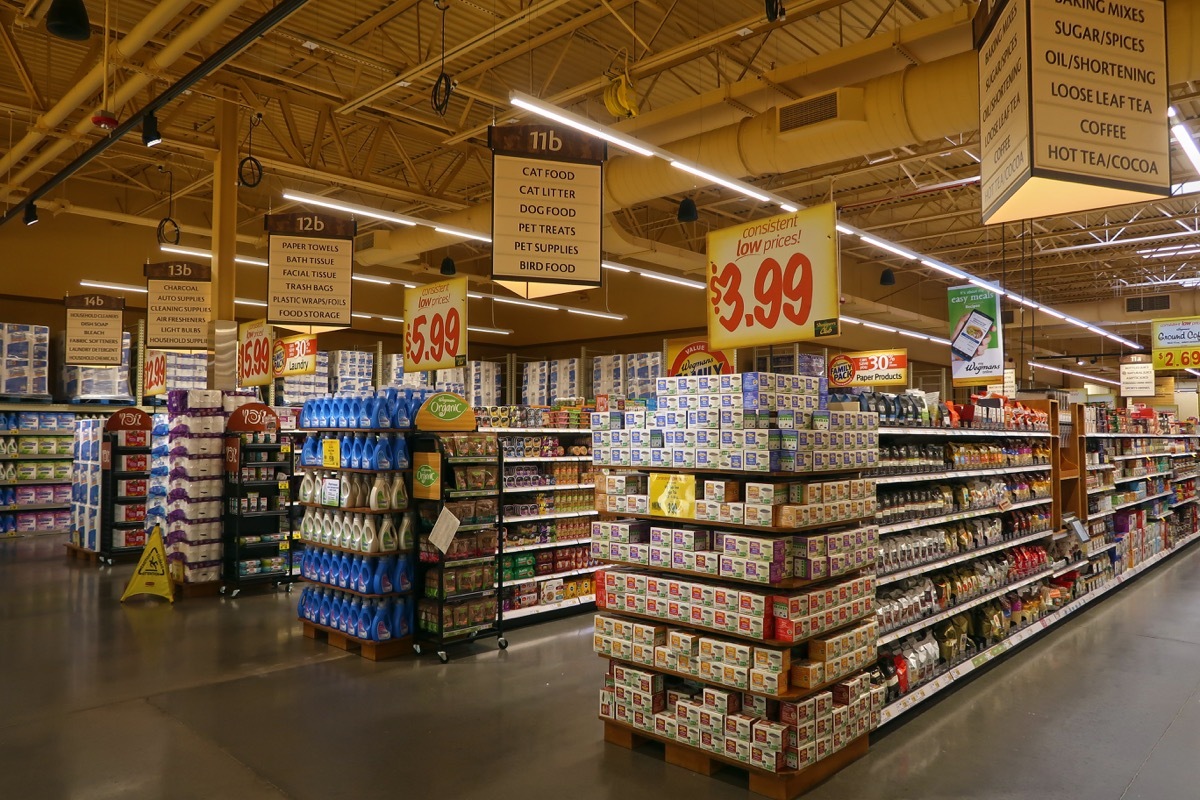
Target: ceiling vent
{"points": [[841, 105], [1154, 302], [365, 241], [1008, 316]]}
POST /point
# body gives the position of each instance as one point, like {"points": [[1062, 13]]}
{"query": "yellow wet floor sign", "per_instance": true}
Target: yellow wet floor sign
{"points": [[151, 576]]}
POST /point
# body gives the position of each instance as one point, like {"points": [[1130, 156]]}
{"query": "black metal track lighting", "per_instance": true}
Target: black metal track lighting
{"points": [[68, 19], [31, 214], [887, 277], [448, 267], [687, 211], [150, 134]]}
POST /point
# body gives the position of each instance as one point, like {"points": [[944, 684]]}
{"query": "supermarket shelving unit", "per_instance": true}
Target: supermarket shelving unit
{"points": [[117, 462]]}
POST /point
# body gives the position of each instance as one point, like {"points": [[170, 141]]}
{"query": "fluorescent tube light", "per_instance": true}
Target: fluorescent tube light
{"points": [[241, 301], [120, 287], [531, 103], [1085, 376], [349, 208], [601, 314], [1184, 137], [479, 237], [516, 301], [198, 253], [372, 279], [728, 183], [496, 331], [882, 245]]}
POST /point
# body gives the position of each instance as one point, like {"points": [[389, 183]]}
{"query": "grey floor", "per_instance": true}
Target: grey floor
{"points": [[220, 698]]}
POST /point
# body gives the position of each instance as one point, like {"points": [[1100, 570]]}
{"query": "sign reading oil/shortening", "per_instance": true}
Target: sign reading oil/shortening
{"points": [[178, 305], [869, 368], [309, 280], [774, 280], [94, 330]]}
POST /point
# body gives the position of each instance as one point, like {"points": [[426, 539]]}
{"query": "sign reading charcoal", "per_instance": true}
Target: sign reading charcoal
{"points": [[178, 305], [94, 330], [547, 205], [309, 280]]}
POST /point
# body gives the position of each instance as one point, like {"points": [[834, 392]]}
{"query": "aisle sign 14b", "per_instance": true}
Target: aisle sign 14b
{"points": [[774, 280]]}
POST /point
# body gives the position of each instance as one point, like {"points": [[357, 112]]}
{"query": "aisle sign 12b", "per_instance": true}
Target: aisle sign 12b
{"points": [[774, 280], [435, 326]]}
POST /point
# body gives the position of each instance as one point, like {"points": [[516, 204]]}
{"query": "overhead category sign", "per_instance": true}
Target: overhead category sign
{"points": [[774, 280], [546, 218], [94, 330], [869, 368], [976, 337], [309, 277], [1137, 379], [178, 305], [1176, 343], [1072, 105]]}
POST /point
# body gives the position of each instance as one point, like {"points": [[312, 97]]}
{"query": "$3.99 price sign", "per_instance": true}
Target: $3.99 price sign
{"points": [[435, 326], [154, 374], [774, 280], [254, 353]]}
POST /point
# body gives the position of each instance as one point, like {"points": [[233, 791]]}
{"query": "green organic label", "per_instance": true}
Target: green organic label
{"points": [[426, 475], [447, 407]]}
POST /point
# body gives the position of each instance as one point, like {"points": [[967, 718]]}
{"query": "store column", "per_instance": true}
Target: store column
{"points": [[222, 371]]}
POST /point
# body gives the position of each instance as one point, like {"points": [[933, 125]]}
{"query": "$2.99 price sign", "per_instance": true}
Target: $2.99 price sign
{"points": [[254, 353], [154, 374], [774, 280], [435, 326]]}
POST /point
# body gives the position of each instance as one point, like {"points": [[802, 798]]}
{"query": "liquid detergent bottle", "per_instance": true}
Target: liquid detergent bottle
{"points": [[322, 567], [387, 535], [345, 570], [370, 539], [397, 410], [408, 524], [399, 494], [379, 496], [356, 532], [327, 528], [356, 452], [345, 490], [310, 453], [366, 620], [347, 615], [382, 418], [306, 524], [305, 420], [400, 618], [401, 578], [381, 581], [382, 457], [400, 454], [325, 608], [307, 487], [345, 531], [381, 624], [366, 574], [366, 412]]}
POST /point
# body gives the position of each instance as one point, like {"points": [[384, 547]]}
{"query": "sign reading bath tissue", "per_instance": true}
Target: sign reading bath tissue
{"points": [[309, 280], [976, 338], [94, 330], [178, 305], [1072, 105]]}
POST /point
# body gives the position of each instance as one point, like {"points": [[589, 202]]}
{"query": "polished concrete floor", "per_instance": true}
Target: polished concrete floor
{"points": [[226, 699]]}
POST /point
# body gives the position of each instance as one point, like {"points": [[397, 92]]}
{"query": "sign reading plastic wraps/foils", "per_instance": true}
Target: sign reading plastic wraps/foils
{"points": [[1176, 343], [94, 328], [1072, 105], [309, 280], [774, 280], [547, 204], [976, 338], [869, 368], [178, 305]]}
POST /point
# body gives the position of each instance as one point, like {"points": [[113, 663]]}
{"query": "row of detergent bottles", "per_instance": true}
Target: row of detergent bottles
{"points": [[372, 451], [361, 533], [389, 409], [372, 620]]}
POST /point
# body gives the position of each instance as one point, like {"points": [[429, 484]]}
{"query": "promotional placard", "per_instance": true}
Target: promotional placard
{"points": [[1137, 380], [1176, 342], [154, 374], [93, 330], [694, 357], [254, 353], [547, 181], [178, 305], [435, 326], [309, 277], [774, 280], [427, 476], [294, 355], [976, 337], [869, 368]]}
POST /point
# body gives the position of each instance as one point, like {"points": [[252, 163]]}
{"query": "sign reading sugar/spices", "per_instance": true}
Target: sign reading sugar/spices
{"points": [[311, 266], [178, 305], [94, 332]]}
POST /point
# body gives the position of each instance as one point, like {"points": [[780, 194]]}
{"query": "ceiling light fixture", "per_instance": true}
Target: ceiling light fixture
{"points": [[68, 19], [600, 131], [31, 217], [348, 208], [120, 287], [600, 314], [729, 183], [196, 252], [887, 277], [496, 331], [242, 301], [150, 134], [657, 276], [1085, 376], [392, 319], [687, 211], [914, 334], [1184, 137], [448, 267]]}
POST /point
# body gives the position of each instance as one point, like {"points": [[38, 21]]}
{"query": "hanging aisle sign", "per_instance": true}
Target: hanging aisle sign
{"points": [[435, 326], [95, 325], [548, 207], [178, 305], [1137, 376], [1072, 105], [976, 338], [869, 368], [309, 280], [774, 280]]}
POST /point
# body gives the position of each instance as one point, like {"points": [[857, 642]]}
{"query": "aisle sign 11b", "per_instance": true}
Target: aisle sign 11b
{"points": [[435, 326], [774, 280]]}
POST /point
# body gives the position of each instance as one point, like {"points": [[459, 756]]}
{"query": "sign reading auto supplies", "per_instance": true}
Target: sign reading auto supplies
{"points": [[869, 368]]}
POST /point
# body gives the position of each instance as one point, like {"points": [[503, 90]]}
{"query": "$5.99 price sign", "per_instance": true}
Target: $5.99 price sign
{"points": [[435, 326], [774, 280], [254, 353], [154, 374]]}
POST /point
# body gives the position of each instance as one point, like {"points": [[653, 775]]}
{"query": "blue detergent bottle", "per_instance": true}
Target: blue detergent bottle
{"points": [[381, 459], [322, 412], [345, 570], [308, 453], [356, 451], [381, 625], [366, 574], [323, 567], [401, 574], [347, 449], [400, 454], [326, 607], [366, 619], [338, 418], [366, 413], [382, 419], [381, 581], [401, 619]]}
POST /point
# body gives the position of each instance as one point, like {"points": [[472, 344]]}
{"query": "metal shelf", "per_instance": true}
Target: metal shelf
{"points": [[543, 609], [1141, 435], [542, 517], [1142, 477], [551, 576], [1099, 467], [569, 431], [963, 432], [522, 548], [1135, 457], [892, 577], [558, 488], [980, 512], [1184, 502], [543, 459], [946, 475]]}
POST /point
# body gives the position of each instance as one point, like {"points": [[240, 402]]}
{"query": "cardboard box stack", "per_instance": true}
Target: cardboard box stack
{"points": [[25, 369], [85, 484], [352, 372], [187, 370], [295, 389]]}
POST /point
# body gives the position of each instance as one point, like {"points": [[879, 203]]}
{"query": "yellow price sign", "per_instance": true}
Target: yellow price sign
{"points": [[285, 545], [1176, 343], [331, 453]]}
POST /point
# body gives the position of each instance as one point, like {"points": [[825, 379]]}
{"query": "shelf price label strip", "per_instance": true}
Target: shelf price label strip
{"points": [[892, 577]]}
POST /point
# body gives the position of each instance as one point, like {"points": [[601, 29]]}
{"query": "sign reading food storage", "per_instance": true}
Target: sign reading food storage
{"points": [[869, 368], [1073, 106], [311, 259], [546, 218], [254, 353], [694, 357], [774, 280], [178, 305], [976, 338], [435, 326], [94, 328], [294, 355], [1176, 342]]}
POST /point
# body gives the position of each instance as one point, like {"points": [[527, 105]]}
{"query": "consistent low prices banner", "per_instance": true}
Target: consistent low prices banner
{"points": [[869, 368], [695, 357], [309, 277], [178, 305], [976, 338], [774, 280], [435, 326], [154, 374], [1176, 343], [295, 355], [254, 353], [94, 330]]}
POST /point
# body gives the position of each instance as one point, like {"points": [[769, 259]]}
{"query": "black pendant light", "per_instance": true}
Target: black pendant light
{"points": [[150, 134], [68, 19], [687, 210], [448, 267], [31, 214], [887, 277]]}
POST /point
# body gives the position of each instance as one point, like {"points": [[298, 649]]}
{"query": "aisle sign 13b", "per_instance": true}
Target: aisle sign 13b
{"points": [[774, 280]]}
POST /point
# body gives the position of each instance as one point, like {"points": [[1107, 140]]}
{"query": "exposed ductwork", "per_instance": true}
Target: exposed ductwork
{"points": [[918, 104]]}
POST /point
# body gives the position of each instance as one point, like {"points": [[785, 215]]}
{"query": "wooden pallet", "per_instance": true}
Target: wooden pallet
{"points": [[373, 651], [205, 589], [77, 553], [776, 785]]}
